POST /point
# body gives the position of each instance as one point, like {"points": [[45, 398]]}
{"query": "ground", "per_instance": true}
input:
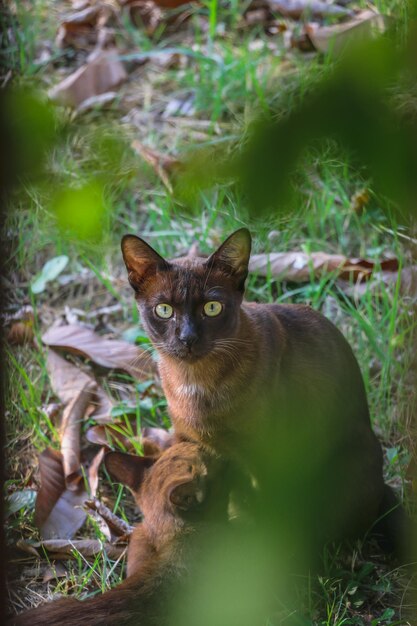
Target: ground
{"points": [[218, 74]]}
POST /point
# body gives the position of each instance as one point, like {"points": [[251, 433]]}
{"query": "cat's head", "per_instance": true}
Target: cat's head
{"points": [[189, 306]]}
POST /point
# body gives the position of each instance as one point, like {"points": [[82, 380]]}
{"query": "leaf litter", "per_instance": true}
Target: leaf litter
{"points": [[66, 482], [109, 353], [301, 266]]}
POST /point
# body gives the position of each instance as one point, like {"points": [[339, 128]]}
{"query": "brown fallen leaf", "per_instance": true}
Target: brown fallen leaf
{"points": [[78, 29], [101, 74], [57, 509], [153, 440], [110, 434], [117, 526], [172, 4], [64, 549], [20, 326], [101, 101], [335, 38], [297, 9], [159, 436], [20, 333], [67, 381], [70, 433], [300, 266], [144, 14], [109, 353], [407, 284], [164, 166], [56, 570], [92, 471], [359, 200]]}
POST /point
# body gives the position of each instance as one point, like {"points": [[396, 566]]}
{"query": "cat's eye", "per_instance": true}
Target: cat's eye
{"points": [[163, 310], [213, 308]]}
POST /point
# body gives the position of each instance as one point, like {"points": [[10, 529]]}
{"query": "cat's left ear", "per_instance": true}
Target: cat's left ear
{"points": [[233, 255], [140, 259]]}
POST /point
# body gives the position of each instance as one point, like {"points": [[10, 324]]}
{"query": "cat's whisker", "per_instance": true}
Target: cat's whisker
{"points": [[229, 353]]}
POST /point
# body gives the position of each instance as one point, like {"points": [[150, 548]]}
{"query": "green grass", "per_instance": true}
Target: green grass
{"points": [[234, 83]]}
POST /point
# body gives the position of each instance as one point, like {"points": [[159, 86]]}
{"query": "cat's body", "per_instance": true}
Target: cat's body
{"points": [[274, 388], [180, 509]]}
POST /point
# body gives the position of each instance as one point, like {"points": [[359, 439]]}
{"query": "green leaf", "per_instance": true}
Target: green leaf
{"points": [[19, 500], [392, 455], [49, 272], [387, 615], [135, 335]]}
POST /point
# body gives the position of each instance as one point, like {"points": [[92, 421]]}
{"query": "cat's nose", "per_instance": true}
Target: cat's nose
{"points": [[188, 337], [187, 333]]}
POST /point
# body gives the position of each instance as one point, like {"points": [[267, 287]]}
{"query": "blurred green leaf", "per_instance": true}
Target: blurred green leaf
{"points": [[19, 500], [81, 212], [33, 129], [49, 272]]}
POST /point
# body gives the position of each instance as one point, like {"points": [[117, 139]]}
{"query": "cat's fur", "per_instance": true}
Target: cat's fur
{"points": [[275, 388], [181, 506]]}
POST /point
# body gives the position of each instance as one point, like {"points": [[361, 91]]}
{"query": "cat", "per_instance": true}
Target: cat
{"points": [[274, 388], [181, 504]]}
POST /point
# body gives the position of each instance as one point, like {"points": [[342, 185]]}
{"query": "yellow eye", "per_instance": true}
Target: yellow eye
{"points": [[164, 310], [213, 308]]}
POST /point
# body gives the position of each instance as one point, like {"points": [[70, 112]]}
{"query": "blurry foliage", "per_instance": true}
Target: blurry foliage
{"points": [[32, 130], [82, 211], [353, 105]]}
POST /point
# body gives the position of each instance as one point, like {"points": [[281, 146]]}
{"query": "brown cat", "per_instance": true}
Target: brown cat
{"points": [[275, 388], [180, 505]]}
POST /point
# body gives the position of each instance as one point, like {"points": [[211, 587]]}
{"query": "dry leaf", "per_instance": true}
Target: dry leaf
{"points": [[64, 549], [108, 434], [297, 9], [335, 38], [67, 381], [101, 74], [79, 29], [56, 514], [70, 433], [117, 526], [407, 278], [359, 200], [144, 14], [159, 436], [25, 313], [153, 440], [106, 352], [52, 410], [171, 4], [20, 324], [57, 570], [97, 102], [20, 333], [164, 166], [92, 472], [300, 266]]}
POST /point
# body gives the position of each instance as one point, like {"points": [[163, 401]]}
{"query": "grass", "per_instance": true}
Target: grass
{"points": [[238, 77]]}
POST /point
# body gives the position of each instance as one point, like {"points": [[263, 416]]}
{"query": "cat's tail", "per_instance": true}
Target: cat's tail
{"points": [[395, 531]]}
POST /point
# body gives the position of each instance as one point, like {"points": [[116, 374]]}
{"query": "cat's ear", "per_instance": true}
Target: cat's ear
{"points": [[233, 255], [128, 469], [140, 260]]}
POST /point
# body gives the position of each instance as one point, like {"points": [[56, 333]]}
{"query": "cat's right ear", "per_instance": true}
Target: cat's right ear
{"points": [[140, 260], [233, 256], [128, 469]]}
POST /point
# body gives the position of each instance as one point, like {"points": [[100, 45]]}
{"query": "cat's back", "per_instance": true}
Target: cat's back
{"points": [[313, 354]]}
